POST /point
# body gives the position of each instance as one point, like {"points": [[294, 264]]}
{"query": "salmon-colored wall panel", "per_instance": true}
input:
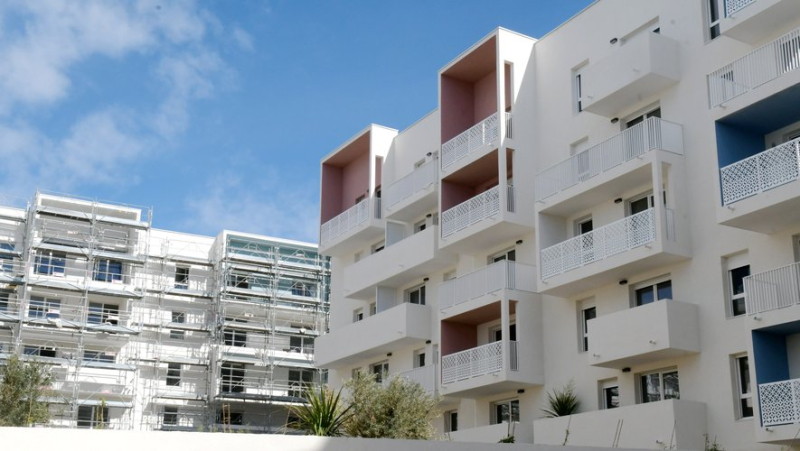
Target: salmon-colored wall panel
{"points": [[355, 181], [458, 337], [331, 201], [485, 98], [508, 87], [378, 170], [457, 107], [453, 194]]}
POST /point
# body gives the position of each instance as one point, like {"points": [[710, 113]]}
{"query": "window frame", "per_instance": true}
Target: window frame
{"points": [[383, 370], [583, 326], [605, 386], [169, 416], [733, 297], [108, 270], [653, 284], [713, 24], [420, 290], [509, 403], [662, 396], [173, 378], [743, 395], [182, 274], [451, 421]]}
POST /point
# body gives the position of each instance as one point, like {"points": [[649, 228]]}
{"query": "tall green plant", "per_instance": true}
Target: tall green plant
{"points": [[561, 402], [24, 390], [323, 415]]}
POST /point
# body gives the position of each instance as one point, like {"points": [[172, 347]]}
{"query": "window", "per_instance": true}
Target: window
{"points": [[301, 344], [178, 318], [4, 295], [577, 88], [182, 277], [90, 417], [583, 226], [50, 263], [641, 117], [100, 313], [174, 374], [505, 411], [419, 358], [712, 11], [451, 421], [420, 226], [744, 391], [98, 356], [6, 263], [380, 370], [232, 378], [416, 295], [609, 394], [170, 416], [299, 380], [358, 315], [238, 281], [41, 351], [659, 385], [496, 333], [302, 289], [510, 255], [39, 307], [225, 416], [586, 313], [648, 292], [235, 337], [736, 288], [373, 309], [108, 271]]}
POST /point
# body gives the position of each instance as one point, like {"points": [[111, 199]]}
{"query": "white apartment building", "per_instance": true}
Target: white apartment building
{"points": [[149, 329], [615, 204]]}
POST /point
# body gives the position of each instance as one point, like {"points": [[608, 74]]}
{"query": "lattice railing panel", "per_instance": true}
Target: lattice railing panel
{"points": [[617, 237], [734, 6], [471, 211], [761, 172], [486, 359], [780, 402], [484, 132], [345, 222]]}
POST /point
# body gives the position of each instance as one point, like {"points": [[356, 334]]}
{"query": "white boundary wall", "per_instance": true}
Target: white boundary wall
{"points": [[102, 440]]}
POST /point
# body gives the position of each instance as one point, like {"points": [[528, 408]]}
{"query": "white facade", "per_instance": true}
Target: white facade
{"points": [[612, 205], [149, 329]]}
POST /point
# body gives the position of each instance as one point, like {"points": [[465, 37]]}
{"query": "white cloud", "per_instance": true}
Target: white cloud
{"points": [[275, 205], [243, 38]]}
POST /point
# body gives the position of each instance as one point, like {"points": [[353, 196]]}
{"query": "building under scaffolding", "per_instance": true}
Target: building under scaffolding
{"points": [[151, 329]]}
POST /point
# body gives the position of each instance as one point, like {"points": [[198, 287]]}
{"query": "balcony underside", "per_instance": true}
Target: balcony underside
{"points": [[766, 212], [361, 236], [489, 385], [612, 269], [757, 20], [485, 234], [415, 206]]}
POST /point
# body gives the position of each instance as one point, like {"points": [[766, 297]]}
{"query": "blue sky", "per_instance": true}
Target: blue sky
{"points": [[217, 113]]}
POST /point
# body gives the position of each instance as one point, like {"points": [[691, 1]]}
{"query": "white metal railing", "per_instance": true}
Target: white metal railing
{"points": [[419, 179], [653, 133], [734, 6], [763, 171], [619, 236], [472, 211], [497, 276], [763, 64], [425, 376], [348, 220], [773, 289], [479, 361], [509, 128], [779, 402], [483, 132]]}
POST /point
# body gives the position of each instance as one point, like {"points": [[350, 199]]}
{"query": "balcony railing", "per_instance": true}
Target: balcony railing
{"points": [[773, 289], [425, 376], [509, 124], [421, 178], [779, 402], [734, 6], [474, 210], [761, 172], [349, 220], [653, 133], [483, 132], [763, 64], [480, 361], [497, 276], [612, 239]]}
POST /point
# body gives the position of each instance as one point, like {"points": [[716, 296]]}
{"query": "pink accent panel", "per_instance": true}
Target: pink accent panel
{"points": [[378, 170], [508, 86], [355, 181], [458, 337], [331, 202], [485, 95], [491, 183], [453, 194], [456, 107]]}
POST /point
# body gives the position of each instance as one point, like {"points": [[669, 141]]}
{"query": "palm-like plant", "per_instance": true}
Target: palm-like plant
{"points": [[561, 402], [323, 415]]}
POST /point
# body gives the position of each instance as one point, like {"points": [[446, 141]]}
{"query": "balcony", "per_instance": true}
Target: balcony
{"points": [[780, 402], [397, 265], [403, 325], [641, 67], [484, 133], [762, 65], [647, 426], [479, 284], [425, 376], [774, 289], [412, 195], [474, 217], [488, 369], [594, 166], [644, 334], [362, 217], [750, 20]]}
